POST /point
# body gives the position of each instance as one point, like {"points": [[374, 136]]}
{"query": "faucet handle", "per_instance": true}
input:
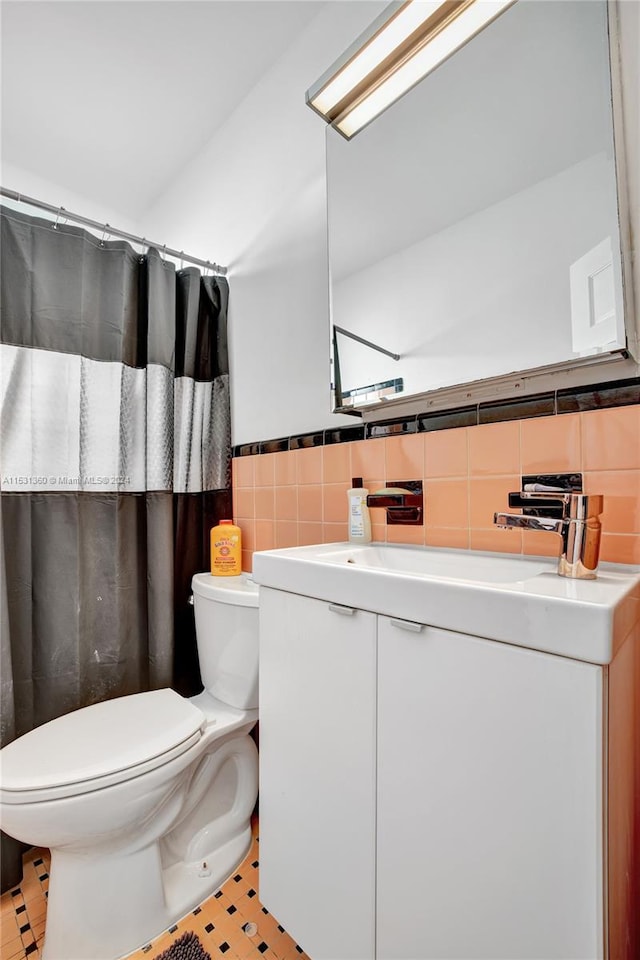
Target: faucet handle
{"points": [[575, 506]]}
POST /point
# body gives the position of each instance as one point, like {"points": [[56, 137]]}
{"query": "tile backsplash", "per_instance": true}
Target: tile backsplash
{"points": [[298, 496]]}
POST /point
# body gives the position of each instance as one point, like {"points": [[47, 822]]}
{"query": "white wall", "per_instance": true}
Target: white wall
{"points": [[33, 185], [255, 199]]}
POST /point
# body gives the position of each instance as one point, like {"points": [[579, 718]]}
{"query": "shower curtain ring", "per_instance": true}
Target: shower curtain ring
{"points": [[58, 215], [181, 259], [163, 255], [104, 233], [142, 246]]}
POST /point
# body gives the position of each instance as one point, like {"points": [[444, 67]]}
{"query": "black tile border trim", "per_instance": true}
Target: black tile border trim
{"points": [[540, 405], [593, 396], [343, 434], [392, 428], [596, 396], [448, 419], [306, 440], [274, 446]]}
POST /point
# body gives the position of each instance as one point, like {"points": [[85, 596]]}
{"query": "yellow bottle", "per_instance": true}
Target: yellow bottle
{"points": [[226, 550]]}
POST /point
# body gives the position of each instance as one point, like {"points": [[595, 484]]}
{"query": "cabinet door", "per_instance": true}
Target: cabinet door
{"points": [[317, 773], [489, 800]]}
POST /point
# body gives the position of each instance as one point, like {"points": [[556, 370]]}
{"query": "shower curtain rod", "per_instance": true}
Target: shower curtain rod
{"points": [[113, 232]]}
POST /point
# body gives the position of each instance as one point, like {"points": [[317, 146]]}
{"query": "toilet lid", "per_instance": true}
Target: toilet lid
{"points": [[100, 740], [240, 591]]}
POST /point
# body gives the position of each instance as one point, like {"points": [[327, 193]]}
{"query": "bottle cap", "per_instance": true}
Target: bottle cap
{"points": [[356, 482], [226, 521]]}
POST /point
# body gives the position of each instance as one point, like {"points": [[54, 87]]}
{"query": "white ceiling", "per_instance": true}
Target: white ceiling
{"points": [[111, 99]]}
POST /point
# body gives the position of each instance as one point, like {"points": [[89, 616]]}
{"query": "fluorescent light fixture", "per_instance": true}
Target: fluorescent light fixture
{"points": [[401, 47]]}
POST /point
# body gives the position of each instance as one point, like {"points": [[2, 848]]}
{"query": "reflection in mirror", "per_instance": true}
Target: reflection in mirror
{"points": [[473, 227], [372, 392]]}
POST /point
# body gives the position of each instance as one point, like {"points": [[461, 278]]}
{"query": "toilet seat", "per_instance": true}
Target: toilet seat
{"points": [[99, 745]]}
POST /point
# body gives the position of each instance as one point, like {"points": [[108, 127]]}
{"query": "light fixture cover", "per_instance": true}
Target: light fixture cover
{"points": [[408, 41]]}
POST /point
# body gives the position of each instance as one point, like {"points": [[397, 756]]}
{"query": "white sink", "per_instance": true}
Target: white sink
{"points": [[514, 599], [441, 564]]}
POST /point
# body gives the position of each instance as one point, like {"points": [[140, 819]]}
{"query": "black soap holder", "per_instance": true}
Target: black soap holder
{"points": [[402, 499]]}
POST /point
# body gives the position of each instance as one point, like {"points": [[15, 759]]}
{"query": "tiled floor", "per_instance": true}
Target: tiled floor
{"points": [[23, 910], [219, 922]]}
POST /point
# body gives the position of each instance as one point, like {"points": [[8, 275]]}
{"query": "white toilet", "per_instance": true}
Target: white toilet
{"points": [[145, 801]]}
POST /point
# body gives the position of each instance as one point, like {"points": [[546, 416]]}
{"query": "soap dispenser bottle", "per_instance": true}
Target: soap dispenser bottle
{"points": [[359, 519]]}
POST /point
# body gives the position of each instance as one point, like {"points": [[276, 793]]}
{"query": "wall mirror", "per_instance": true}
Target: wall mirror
{"points": [[473, 227]]}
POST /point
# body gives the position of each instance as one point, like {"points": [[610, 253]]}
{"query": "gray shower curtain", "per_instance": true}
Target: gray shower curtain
{"points": [[115, 462]]}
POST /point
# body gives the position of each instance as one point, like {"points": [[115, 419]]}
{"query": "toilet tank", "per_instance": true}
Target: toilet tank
{"points": [[226, 611]]}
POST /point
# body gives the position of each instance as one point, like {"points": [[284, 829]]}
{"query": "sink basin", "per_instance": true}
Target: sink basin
{"points": [[509, 598], [443, 565]]}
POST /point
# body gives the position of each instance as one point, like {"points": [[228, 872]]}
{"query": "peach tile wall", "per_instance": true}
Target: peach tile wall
{"points": [[299, 497]]}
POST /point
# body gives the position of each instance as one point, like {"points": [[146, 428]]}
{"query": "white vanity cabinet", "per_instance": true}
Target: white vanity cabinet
{"points": [[446, 803], [430, 794]]}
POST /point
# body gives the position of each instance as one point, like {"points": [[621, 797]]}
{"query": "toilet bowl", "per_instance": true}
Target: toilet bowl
{"points": [[144, 801]]}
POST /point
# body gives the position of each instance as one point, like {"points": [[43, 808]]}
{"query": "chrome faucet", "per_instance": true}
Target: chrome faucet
{"points": [[403, 501], [579, 527]]}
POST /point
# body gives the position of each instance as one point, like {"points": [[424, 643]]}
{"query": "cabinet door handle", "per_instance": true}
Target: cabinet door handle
{"points": [[407, 625], [345, 611]]}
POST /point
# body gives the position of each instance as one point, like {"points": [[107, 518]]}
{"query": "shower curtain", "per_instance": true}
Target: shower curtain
{"points": [[115, 462]]}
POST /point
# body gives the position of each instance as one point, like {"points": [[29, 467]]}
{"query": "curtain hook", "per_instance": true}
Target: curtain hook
{"points": [[142, 245], [58, 215], [181, 259], [104, 233], [163, 255]]}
